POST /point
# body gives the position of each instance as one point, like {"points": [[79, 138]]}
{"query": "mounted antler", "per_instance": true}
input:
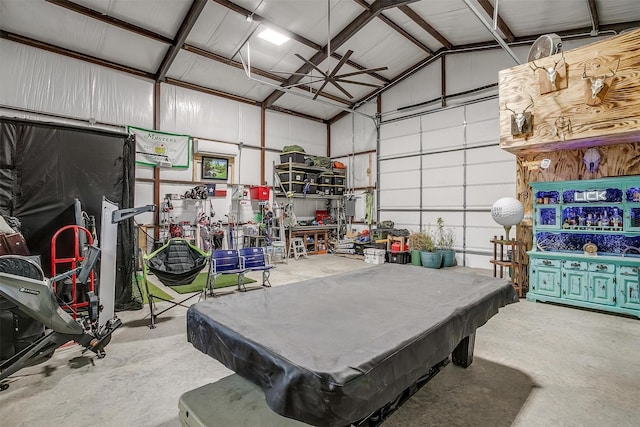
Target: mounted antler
{"points": [[552, 72], [520, 119], [597, 83]]}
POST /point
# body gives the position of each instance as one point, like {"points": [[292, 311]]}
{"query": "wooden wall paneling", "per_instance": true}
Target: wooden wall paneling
{"points": [[614, 121]]}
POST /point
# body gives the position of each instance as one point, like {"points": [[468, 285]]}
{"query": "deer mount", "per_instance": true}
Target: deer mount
{"points": [[551, 78], [597, 86], [521, 123]]}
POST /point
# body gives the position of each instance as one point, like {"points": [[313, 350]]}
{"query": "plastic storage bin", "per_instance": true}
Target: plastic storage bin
{"points": [[374, 256], [292, 156]]}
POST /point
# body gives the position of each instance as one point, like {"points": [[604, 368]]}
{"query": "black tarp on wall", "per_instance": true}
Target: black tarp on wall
{"points": [[44, 166]]}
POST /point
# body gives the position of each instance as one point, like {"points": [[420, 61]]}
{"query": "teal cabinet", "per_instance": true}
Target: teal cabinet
{"points": [[575, 285], [628, 281], [586, 244]]}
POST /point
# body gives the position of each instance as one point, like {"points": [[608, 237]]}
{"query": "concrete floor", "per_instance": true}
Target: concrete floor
{"points": [[535, 365]]}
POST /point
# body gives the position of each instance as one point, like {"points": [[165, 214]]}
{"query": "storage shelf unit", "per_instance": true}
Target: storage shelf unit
{"points": [[572, 220]]}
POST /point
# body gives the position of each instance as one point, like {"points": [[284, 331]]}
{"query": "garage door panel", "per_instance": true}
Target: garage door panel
{"points": [[443, 176], [400, 128], [442, 197], [406, 163], [483, 196], [490, 154], [443, 119], [406, 144], [441, 160], [479, 173], [408, 220], [399, 198], [482, 110], [483, 132], [440, 139]]}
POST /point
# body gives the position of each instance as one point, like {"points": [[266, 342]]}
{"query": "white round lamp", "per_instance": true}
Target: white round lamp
{"points": [[507, 212]]}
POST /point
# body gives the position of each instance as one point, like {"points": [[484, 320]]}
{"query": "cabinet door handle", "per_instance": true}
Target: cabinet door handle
{"points": [[601, 267], [575, 264], [603, 287], [546, 262]]}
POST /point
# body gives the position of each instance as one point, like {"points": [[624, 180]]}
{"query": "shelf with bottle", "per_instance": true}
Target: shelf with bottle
{"points": [[592, 218]]}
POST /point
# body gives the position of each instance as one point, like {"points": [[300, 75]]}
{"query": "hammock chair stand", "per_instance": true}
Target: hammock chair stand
{"points": [[177, 262]]}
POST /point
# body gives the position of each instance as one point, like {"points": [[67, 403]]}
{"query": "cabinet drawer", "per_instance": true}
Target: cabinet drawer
{"points": [[627, 270], [574, 265], [541, 262], [602, 267]]}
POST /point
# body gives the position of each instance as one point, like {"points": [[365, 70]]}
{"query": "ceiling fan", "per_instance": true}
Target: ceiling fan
{"points": [[332, 76]]}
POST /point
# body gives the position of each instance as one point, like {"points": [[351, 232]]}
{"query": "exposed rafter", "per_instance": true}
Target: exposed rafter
{"points": [[575, 34], [294, 36], [502, 26], [185, 28], [341, 38], [94, 14], [73, 54], [257, 71], [397, 28], [425, 26]]}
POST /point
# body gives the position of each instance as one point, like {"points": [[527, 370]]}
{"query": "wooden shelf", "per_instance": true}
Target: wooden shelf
{"points": [[502, 259]]}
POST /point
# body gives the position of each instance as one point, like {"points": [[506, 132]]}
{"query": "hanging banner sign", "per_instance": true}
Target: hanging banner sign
{"points": [[163, 149]]}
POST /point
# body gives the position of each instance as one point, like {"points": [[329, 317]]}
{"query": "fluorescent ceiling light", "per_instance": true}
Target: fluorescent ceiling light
{"points": [[273, 37]]}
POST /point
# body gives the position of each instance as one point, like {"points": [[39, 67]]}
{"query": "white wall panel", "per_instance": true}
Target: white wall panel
{"points": [[38, 80], [249, 164], [249, 124], [270, 157], [442, 197], [285, 129], [353, 133], [185, 111], [361, 170], [475, 69], [422, 86]]}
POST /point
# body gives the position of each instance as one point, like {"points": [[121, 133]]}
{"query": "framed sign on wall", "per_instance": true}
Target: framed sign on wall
{"points": [[215, 168]]}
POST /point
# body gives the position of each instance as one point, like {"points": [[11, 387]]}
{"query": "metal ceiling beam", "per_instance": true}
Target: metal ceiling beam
{"points": [[294, 36], [210, 91], [493, 32], [397, 28], [257, 71], [425, 26], [73, 54], [593, 12], [185, 28], [575, 34], [298, 114], [341, 38], [501, 24], [405, 34], [110, 20]]}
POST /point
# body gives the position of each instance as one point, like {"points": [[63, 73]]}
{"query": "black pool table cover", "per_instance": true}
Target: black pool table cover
{"points": [[330, 351]]}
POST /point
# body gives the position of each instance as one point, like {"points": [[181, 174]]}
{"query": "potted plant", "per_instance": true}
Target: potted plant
{"points": [[417, 242], [428, 255], [445, 239]]}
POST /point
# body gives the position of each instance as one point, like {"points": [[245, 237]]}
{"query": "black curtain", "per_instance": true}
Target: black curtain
{"points": [[45, 166]]}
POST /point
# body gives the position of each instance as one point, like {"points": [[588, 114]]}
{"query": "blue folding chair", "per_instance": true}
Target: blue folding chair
{"points": [[256, 259], [224, 261]]}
